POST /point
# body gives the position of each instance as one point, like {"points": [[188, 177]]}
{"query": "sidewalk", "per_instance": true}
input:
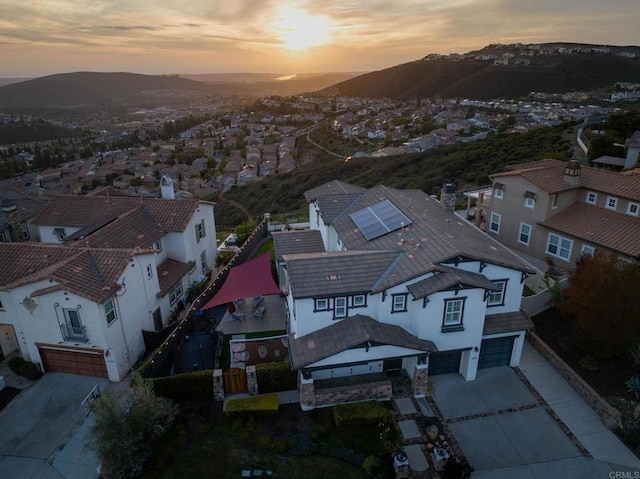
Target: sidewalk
{"points": [[585, 424]]}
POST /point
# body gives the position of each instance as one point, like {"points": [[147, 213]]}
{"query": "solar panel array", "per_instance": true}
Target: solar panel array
{"points": [[379, 219]]}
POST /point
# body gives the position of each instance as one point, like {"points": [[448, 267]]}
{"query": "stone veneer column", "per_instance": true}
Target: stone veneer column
{"points": [[420, 380], [218, 385], [307, 393], [252, 380]]}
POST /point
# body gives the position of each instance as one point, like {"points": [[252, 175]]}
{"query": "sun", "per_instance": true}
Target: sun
{"points": [[298, 30]]}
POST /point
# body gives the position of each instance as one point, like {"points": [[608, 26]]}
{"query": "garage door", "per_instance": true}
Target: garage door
{"points": [[444, 363], [496, 352], [73, 361]]}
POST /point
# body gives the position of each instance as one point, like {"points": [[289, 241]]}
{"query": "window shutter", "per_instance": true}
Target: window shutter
{"points": [[197, 232], [202, 228]]}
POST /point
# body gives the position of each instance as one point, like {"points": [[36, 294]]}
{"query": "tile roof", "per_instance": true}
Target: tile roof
{"points": [[348, 333], [337, 273], [435, 236], [89, 273], [549, 176], [82, 211], [598, 226], [335, 187], [506, 323], [295, 242], [445, 278], [134, 229], [170, 272]]}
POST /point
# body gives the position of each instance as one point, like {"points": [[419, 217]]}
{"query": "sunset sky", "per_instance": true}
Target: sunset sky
{"points": [[209, 36]]}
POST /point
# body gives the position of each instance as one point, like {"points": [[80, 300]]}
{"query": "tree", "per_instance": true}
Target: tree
{"points": [[603, 300], [125, 428]]}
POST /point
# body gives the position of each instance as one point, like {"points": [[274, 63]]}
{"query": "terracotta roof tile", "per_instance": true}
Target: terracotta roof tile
{"points": [[170, 272], [82, 211], [615, 231]]}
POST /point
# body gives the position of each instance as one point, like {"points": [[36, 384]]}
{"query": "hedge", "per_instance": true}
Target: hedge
{"points": [[193, 386], [360, 413], [275, 377], [260, 405]]}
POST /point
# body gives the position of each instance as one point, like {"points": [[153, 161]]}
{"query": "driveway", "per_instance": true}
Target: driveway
{"points": [[506, 429], [42, 430]]}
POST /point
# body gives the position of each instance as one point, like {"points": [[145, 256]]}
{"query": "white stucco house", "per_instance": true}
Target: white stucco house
{"points": [[390, 281], [107, 269]]}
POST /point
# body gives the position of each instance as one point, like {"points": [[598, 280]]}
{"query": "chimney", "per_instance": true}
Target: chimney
{"points": [[11, 210], [166, 188], [572, 172], [448, 196]]}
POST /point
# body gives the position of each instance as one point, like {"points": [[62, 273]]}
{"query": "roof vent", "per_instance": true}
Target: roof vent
{"points": [[311, 344], [333, 277]]}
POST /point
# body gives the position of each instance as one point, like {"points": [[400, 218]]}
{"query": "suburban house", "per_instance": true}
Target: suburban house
{"points": [[561, 210], [107, 269], [390, 281]]}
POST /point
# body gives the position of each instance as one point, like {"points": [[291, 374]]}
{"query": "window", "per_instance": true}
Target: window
{"points": [[175, 293], [525, 234], [633, 208], [158, 245], [592, 197], [110, 311], [587, 250], [200, 231], [529, 202], [453, 309], [494, 225], [399, 303], [1, 307], [554, 201], [25, 230], [321, 304], [496, 298], [559, 247], [498, 193], [612, 203], [340, 307], [203, 261], [3, 238], [149, 271], [359, 300]]}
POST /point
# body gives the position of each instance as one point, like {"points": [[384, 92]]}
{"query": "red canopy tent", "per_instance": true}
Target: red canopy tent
{"points": [[249, 279]]}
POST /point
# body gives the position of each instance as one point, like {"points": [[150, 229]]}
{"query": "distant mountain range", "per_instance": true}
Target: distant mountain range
{"points": [[496, 71], [501, 71]]}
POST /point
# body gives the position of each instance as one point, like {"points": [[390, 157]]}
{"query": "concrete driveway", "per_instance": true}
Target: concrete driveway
{"points": [[506, 429], [42, 430]]}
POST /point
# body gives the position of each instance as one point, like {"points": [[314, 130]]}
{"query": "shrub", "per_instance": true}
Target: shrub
{"points": [[633, 385], [126, 428], [15, 363], [360, 414], [260, 405], [274, 377], [194, 386], [372, 466], [30, 371], [589, 363]]}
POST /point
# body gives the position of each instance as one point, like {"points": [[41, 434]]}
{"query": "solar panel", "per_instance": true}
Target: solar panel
{"points": [[379, 219]]}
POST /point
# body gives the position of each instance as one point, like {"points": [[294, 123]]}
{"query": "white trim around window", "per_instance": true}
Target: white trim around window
{"points": [[399, 303], [559, 247], [498, 193], [524, 235], [340, 307], [494, 224], [633, 208], [496, 298], [321, 304], [359, 301], [110, 311], [529, 203], [175, 293], [592, 198], [453, 314], [612, 203]]}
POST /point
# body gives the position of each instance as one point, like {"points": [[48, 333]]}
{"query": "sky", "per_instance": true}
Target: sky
{"points": [[43, 37]]}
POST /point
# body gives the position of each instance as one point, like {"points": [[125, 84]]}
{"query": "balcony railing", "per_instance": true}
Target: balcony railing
{"points": [[73, 333]]}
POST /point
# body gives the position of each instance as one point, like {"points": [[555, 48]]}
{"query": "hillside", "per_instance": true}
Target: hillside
{"points": [[92, 89], [471, 76], [38, 131], [466, 164]]}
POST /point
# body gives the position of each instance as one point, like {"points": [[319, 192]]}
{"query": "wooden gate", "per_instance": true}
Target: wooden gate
{"points": [[235, 381]]}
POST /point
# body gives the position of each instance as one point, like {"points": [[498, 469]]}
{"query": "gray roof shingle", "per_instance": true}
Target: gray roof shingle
{"points": [[446, 278], [506, 323], [348, 333], [297, 242]]}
